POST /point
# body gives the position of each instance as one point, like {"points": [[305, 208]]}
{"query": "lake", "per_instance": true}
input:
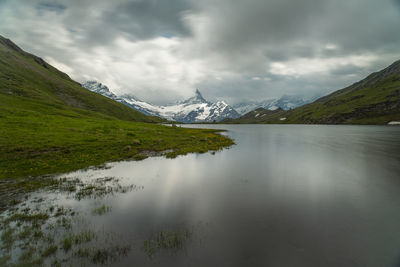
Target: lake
{"points": [[284, 195]]}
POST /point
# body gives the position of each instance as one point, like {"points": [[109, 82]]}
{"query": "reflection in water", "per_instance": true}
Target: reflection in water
{"points": [[283, 196]]}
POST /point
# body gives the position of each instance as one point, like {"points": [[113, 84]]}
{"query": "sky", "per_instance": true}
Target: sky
{"points": [[232, 50]]}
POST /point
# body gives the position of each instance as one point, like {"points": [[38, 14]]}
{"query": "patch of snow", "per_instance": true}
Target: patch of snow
{"points": [[273, 108]]}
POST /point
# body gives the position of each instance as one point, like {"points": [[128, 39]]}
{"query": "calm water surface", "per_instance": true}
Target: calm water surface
{"points": [[283, 196]]}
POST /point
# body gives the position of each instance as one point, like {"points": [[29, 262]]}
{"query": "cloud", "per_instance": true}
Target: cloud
{"points": [[230, 49], [50, 7]]}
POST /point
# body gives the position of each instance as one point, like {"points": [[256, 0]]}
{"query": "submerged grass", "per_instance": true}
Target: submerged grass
{"points": [[36, 231], [7, 238], [166, 240], [50, 250], [35, 218], [101, 210], [77, 239]]}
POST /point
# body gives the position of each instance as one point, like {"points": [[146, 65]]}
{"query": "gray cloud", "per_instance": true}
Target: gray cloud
{"points": [[151, 18], [50, 7], [231, 49]]}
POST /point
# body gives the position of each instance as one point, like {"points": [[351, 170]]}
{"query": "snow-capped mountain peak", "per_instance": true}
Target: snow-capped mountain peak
{"points": [[193, 109], [196, 99], [98, 88]]}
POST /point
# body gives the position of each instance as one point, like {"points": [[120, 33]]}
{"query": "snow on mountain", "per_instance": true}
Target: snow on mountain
{"points": [[99, 88], [245, 107], [285, 102], [194, 109]]}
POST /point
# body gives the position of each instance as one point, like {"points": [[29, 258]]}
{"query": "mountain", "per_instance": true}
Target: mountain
{"points": [[373, 100], [285, 102], [194, 109]]}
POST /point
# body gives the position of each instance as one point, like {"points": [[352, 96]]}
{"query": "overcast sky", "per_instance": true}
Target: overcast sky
{"points": [[162, 50]]}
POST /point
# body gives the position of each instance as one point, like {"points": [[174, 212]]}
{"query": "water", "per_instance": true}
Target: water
{"points": [[282, 196]]}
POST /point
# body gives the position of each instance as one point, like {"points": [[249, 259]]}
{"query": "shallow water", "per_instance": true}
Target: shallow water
{"points": [[282, 196]]}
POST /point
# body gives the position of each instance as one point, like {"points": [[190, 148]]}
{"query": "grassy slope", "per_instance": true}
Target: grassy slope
{"points": [[25, 75], [374, 100], [50, 124]]}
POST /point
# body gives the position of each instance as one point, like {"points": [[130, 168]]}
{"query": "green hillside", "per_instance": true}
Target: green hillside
{"points": [[373, 100], [29, 78], [50, 124]]}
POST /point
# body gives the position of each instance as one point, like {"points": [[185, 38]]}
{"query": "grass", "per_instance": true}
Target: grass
{"points": [[7, 238], [106, 255], [166, 240], [101, 210], [77, 239], [83, 237], [50, 250], [67, 244], [34, 219]]}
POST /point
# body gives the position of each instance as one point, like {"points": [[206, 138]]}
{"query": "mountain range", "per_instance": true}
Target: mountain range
{"points": [[373, 100], [198, 109], [285, 102], [194, 109]]}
